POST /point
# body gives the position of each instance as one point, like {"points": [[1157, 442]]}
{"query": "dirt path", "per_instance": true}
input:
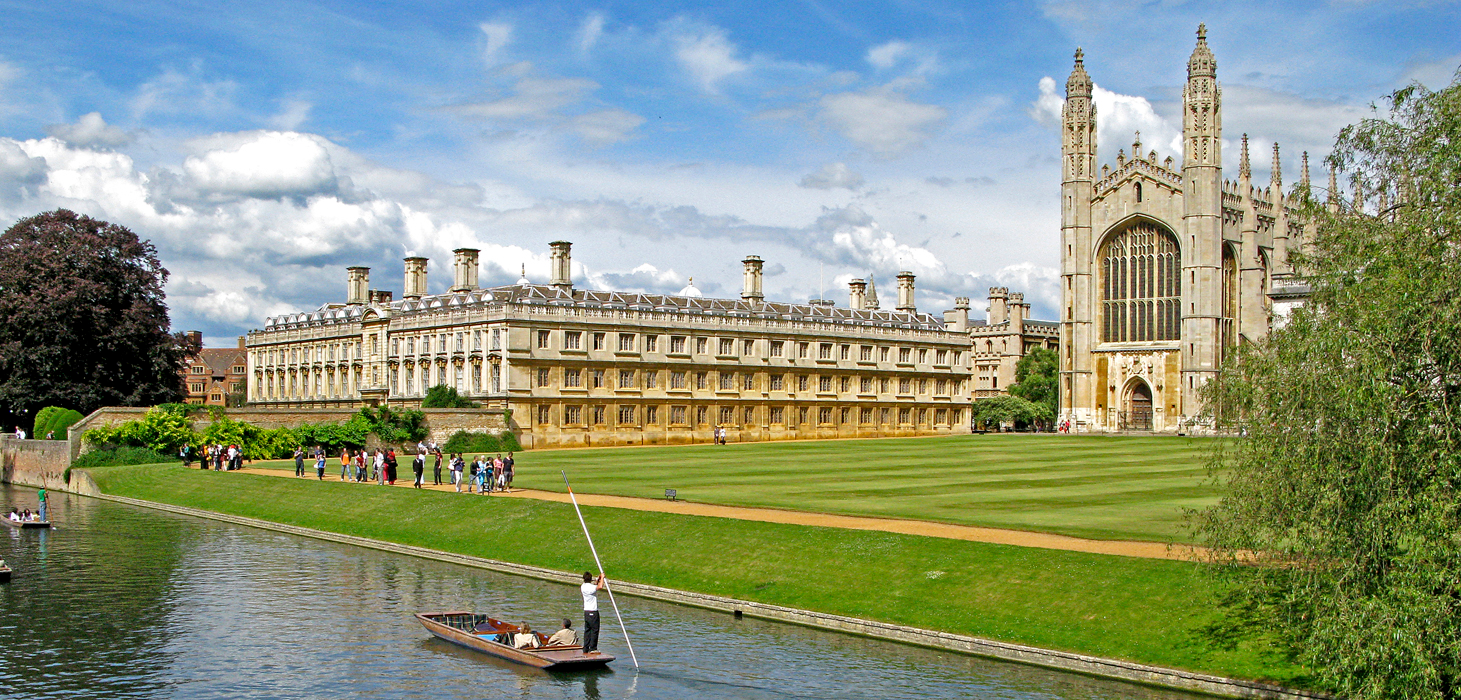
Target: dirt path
{"points": [[1018, 538]]}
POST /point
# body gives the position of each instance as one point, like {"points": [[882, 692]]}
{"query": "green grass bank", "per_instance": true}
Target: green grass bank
{"points": [[1141, 610], [1115, 487]]}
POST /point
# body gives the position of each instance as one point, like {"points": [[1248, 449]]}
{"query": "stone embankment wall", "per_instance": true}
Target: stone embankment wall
{"points": [[609, 437], [41, 464], [441, 423]]}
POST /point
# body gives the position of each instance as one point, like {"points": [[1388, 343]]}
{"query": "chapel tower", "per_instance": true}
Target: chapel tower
{"points": [[1078, 169], [1208, 269]]}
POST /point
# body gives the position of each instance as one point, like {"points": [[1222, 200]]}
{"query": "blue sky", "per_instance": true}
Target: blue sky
{"points": [[265, 146]]}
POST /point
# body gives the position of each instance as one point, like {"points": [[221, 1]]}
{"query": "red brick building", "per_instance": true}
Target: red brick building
{"points": [[214, 373]]}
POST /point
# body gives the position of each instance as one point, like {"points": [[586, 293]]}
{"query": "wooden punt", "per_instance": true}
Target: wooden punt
{"points": [[4, 574], [26, 524], [475, 632]]}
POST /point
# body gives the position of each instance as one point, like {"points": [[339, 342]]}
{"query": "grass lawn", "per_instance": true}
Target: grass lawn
{"points": [[1137, 609], [1115, 487]]}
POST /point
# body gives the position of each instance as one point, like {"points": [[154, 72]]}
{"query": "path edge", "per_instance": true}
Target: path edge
{"points": [[976, 646]]}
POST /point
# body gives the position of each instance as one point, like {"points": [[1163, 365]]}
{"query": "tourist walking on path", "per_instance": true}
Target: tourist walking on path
{"points": [[391, 466], [360, 466], [320, 464], [456, 472], [436, 470], [299, 461], [507, 471], [418, 469], [344, 464], [590, 590]]}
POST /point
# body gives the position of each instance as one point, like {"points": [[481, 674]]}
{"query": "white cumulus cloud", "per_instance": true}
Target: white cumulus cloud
{"points": [[709, 57], [265, 164], [881, 120], [833, 176], [90, 131], [884, 56]]}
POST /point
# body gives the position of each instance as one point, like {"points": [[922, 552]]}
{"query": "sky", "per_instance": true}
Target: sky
{"points": [[263, 147]]}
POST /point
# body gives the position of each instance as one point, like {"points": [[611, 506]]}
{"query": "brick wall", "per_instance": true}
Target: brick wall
{"points": [[35, 463]]}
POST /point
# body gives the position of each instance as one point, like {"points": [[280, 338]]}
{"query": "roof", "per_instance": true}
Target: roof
{"points": [[220, 360], [550, 295]]}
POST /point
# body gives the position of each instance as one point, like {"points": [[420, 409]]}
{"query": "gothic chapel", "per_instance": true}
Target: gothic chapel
{"points": [[1164, 268]]}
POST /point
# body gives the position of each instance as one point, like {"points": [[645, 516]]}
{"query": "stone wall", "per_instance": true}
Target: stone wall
{"points": [[609, 437], [35, 463]]}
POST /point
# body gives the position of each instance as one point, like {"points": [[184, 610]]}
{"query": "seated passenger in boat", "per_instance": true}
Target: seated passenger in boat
{"points": [[26, 516], [565, 637], [14, 515], [525, 639]]}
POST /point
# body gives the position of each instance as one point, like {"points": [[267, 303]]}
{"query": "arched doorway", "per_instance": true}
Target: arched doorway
{"points": [[1137, 408]]}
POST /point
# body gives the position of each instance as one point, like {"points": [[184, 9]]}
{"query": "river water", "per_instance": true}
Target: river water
{"points": [[125, 602]]}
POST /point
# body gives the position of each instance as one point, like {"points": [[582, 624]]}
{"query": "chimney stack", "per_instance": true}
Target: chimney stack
{"points": [[905, 292], [857, 294], [562, 265], [380, 296], [357, 288], [751, 287], [998, 305], [957, 320], [415, 279], [464, 269], [1018, 310]]}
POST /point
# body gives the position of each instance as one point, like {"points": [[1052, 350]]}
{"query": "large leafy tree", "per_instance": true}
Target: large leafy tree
{"points": [[1340, 527], [1035, 379], [84, 320]]}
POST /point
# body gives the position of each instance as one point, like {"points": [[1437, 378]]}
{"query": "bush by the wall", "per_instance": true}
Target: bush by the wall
{"points": [[117, 456], [481, 443], [54, 419], [443, 396]]}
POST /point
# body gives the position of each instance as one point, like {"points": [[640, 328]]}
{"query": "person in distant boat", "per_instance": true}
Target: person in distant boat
{"points": [[26, 517], [525, 639], [14, 515], [590, 590], [565, 637]]}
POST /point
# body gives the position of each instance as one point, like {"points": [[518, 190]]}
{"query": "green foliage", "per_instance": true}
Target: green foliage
{"points": [[443, 396], [118, 456], [1036, 378], [1009, 409], [481, 443], [54, 419], [1345, 497], [164, 428], [395, 425]]}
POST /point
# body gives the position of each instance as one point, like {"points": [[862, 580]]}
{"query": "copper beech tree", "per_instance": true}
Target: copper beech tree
{"points": [[83, 321], [1339, 531]]}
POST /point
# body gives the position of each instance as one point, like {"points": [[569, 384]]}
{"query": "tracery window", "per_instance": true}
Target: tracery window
{"points": [[1141, 293]]}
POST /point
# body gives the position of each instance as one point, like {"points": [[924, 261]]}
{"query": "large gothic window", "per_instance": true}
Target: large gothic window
{"points": [[1141, 286]]}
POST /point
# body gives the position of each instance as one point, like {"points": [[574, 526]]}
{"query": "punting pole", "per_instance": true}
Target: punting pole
{"points": [[600, 564]]}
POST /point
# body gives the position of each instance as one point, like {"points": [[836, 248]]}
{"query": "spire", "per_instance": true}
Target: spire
{"points": [[1244, 169], [1202, 62], [1276, 176], [1079, 84], [1304, 171], [1136, 146], [523, 279], [871, 302]]}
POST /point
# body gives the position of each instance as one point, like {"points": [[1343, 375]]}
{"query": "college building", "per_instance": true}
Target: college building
{"points": [[1166, 267], [214, 374], [585, 367]]}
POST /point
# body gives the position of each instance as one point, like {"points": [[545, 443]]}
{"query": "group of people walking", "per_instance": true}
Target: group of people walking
{"points": [[215, 457], [362, 466]]}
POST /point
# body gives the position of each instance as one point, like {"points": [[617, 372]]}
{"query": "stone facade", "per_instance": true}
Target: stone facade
{"points": [[580, 367], [1164, 268], [1005, 336], [215, 373]]}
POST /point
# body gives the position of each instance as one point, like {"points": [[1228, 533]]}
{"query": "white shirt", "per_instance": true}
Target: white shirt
{"points": [[590, 597]]}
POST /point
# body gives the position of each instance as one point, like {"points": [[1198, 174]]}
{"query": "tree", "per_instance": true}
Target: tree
{"points": [[85, 323], [997, 410], [443, 396], [1337, 531], [1035, 379]]}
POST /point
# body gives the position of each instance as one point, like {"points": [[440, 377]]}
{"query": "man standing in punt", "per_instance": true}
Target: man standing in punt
{"points": [[590, 590]]}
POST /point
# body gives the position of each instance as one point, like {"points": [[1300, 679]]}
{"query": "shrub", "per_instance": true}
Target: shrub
{"points": [[118, 456], [481, 443], [443, 396], [54, 419], [164, 429]]}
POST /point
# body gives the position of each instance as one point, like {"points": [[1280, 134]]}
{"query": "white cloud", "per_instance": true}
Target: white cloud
{"points": [[833, 176], [173, 92], [532, 98], [1118, 117], [709, 57], [590, 31], [265, 164], [497, 36], [645, 278], [885, 56], [90, 131], [881, 120], [294, 115], [606, 126]]}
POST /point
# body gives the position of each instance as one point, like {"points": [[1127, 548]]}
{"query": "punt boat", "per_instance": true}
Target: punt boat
{"points": [[26, 524], [5, 572], [476, 632]]}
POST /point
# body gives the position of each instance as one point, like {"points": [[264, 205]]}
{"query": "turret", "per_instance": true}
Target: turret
{"points": [[1018, 311], [998, 305], [1078, 175], [1203, 300], [415, 278], [957, 319], [751, 279], [905, 292], [357, 285], [871, 302]]}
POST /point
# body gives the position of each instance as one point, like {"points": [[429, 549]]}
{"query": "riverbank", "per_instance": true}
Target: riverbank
{"points": [[1141, 611]]}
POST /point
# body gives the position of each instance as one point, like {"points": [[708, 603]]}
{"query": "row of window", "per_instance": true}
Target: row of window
{"points": [[748, 347], [573, 378], [634, 415]]}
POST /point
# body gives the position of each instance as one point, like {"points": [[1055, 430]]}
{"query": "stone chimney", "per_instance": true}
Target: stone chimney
{"points": [[195, 338], [380, 296], [1018, 310], [357, 286], [464, 269], [857, 294], [998, 305], [415, 279], [751, 284], [562, 265], [905, 292], [957, 320]]}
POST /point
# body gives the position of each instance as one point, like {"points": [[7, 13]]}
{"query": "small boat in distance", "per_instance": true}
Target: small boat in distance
{"points": [[4, 573], [476, 632], [27, 524]]}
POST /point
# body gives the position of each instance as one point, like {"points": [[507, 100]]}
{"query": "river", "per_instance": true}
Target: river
{"points": [[125, 602]]}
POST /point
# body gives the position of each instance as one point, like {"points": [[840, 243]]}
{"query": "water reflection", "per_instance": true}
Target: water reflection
{"points": [[123, 602]]}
